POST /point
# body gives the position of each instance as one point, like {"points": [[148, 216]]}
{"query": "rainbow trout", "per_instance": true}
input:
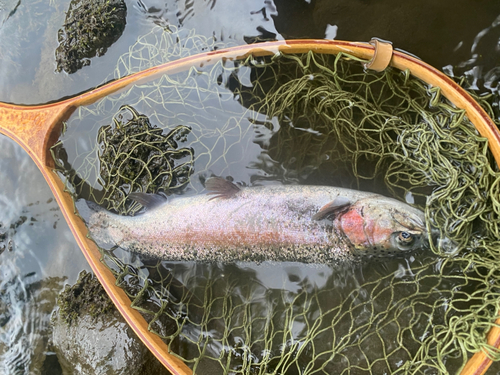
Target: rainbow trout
{"points": [[313, 224]]}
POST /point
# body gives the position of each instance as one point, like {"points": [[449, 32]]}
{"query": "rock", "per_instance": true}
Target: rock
{"points": [[91, 27], [91, 337]]}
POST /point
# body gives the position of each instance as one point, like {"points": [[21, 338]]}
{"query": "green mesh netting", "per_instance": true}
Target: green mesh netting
{"points": [[310, 119], [136, 156]]}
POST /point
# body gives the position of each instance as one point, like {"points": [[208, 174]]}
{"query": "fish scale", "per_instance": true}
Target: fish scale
{"points": [[312, 224]]}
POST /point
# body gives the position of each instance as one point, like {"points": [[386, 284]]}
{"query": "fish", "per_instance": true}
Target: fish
{"points": [[295, 223]]}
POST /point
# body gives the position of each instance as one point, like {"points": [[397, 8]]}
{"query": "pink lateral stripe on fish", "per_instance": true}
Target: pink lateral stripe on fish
{"points": [[312, 224]]}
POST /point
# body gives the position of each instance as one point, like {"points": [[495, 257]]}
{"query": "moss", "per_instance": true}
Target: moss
{"points": [[135, 155], [86, 297], [90, 28]]}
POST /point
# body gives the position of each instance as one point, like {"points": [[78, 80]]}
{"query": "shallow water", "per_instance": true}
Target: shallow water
{"points": [[462, 36]]}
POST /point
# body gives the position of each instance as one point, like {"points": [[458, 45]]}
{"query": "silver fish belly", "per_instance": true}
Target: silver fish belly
{"points": [[313, 224]]}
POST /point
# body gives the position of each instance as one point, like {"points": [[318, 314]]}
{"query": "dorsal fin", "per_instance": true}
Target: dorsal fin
{"points": [[221, 188], [149, 201], [334, 207]]}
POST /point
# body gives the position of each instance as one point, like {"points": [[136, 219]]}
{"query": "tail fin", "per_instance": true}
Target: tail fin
{"points": [[96, 219], [86, 209]]}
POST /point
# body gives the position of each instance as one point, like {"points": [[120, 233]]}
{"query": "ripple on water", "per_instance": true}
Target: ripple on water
{"points": [[25, 306], [39, 255]]}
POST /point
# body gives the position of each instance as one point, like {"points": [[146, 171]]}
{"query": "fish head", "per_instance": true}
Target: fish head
{"points": [[383, 226]]}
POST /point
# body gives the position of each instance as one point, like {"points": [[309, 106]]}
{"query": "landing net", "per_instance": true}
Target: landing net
{"points": [[308, 119]]}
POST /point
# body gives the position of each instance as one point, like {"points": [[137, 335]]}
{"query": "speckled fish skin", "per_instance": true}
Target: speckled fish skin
{"points": [[312, 224]]}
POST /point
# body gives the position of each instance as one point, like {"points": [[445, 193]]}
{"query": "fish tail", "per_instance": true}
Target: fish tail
{"points": [[87, 209], [96, 219]]}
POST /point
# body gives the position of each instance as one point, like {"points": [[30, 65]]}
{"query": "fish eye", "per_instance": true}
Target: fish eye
{"points": [[406, 238]]}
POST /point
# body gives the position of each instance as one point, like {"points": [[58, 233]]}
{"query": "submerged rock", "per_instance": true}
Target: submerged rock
{"points": [[91, 337], [90, 28]]}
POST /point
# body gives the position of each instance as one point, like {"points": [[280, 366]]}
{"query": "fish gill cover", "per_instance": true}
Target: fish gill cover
{"points": [[318, 119]]}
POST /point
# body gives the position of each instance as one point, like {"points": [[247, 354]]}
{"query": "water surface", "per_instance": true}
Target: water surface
{"points": [[41, 255]]}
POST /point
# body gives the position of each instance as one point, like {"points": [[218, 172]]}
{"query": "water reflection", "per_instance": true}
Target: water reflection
{"points": [[295, 316], [482, 68], [39, 255], [26, 303], [242, 21], [449, 33]]}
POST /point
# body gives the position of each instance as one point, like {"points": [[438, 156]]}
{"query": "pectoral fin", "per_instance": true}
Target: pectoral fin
{"points": [[335, 207], [221, 188]]}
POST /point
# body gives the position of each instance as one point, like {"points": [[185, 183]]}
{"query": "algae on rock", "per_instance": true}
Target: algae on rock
{"points": [[90, 28], [91, 337]]}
